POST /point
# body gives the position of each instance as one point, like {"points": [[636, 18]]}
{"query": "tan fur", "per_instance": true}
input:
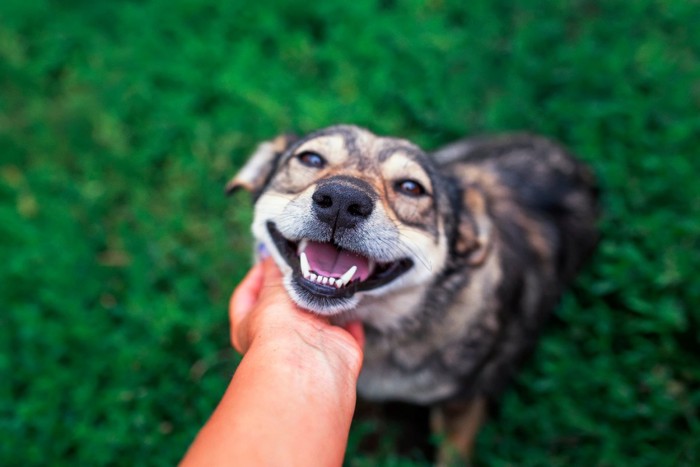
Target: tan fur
{"points": [[459, 423]]}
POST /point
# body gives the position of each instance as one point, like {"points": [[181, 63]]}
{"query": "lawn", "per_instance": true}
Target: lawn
{"points": [[120, 123]]}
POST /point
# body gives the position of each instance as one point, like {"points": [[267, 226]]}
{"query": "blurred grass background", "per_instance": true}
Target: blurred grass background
{"points": [[121, 121]]}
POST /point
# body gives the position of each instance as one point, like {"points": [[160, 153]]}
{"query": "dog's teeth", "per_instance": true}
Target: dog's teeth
{"points": [[331, 280], [347, 277], [302, 246], [319, 279], [312, 277], [304, 264], [338, 283], [325, 280]]}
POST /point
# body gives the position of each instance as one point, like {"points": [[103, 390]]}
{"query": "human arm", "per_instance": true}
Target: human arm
{"points": [[291, 400]]}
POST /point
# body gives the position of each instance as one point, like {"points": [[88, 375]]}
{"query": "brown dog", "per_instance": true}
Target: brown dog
{"points": [[451, 260]]}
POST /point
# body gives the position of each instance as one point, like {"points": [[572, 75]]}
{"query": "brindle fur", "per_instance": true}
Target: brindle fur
{"points": [[516, 214]]}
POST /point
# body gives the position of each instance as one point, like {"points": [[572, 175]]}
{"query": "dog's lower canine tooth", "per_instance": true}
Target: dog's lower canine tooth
{"points": [[304, 264], [347, 277]]}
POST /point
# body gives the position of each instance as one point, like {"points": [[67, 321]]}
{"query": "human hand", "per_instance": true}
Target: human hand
{"points": [[261, 313], [296, 384]]}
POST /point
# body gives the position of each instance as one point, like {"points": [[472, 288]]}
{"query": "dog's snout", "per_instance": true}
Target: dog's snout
{"points": [[341, 205]]}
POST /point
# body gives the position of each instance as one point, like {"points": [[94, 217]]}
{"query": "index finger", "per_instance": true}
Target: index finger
{"points": [[246, 293]]}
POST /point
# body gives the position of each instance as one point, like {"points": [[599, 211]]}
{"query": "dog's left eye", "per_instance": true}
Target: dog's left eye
{"points": [[410, 188], [311, 159]]}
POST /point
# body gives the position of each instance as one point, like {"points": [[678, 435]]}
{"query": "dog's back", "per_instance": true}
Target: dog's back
{"points": [[544, 180], [543, 204]]}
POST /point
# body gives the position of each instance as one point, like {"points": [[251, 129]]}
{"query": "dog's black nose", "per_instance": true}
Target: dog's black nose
{"points": [[341, 205]]}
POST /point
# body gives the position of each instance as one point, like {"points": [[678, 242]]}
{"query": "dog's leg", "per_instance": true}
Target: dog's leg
{"points": [[457, 423]]}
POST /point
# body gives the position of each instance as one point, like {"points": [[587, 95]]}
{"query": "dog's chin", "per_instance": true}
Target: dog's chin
{"points": [[326, 278], [319, 303]]}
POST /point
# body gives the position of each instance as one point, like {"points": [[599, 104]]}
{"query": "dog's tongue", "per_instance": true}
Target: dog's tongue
{"points": [[327, 260]]}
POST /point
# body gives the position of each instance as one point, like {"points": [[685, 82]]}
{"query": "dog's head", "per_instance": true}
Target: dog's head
{"points": [[345, 213]]}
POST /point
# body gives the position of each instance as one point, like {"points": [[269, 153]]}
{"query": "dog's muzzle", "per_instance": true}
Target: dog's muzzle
{"points": [[325, 264]]}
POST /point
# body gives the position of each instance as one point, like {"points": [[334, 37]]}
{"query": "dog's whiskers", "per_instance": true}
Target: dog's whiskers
{"points": [[405, 250]]}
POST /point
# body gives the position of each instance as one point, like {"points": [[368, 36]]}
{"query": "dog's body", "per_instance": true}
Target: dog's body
{"points": [[458, 256]]}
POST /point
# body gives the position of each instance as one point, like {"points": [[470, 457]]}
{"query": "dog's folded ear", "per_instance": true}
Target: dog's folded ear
{"points": [[254, 174], [475, 228]]}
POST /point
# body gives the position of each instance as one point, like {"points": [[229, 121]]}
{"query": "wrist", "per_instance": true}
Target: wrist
{"points": [[290, 376], [326, 354]]}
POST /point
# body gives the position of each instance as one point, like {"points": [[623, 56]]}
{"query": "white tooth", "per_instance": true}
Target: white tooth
{"points": [[347, 277], [302, 245], [319, 279], [325, 281], [338, 283], [312, 277], [331, 280], [304, 263]]}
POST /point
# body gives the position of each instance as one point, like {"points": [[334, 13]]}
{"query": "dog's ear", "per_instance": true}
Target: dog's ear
{"points": [[475, 228], [254, 174]]}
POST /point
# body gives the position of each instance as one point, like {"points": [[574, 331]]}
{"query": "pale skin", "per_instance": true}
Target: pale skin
{"points": [[291, 399]]}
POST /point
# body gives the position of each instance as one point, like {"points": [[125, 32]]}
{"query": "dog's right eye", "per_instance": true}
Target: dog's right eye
{"points": [[311, 159]]}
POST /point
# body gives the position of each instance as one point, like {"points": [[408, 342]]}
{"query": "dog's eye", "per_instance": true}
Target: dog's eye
{"points": [[311, 159], [410, 188]]}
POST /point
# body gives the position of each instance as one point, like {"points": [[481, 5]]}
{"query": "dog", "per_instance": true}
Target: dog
{"points": [[452, 260]]}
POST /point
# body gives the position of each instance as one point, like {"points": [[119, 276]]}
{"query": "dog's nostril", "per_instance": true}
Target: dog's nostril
{"points": [[322, 200], [360, 209]]}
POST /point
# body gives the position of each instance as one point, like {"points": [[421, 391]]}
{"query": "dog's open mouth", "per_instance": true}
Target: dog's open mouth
{"points": [[330, 271]]}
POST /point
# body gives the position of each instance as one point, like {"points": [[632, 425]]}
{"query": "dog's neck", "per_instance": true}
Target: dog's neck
{"points": [[386, 313]]}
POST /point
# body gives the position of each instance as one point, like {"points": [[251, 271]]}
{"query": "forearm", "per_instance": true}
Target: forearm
{"points": [[311, 394]]}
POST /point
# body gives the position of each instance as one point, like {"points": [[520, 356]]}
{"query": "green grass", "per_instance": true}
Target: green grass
{"points": [[121, 121]]}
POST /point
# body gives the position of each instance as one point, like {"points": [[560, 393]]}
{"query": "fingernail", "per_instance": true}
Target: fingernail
{"points": [[262, 252]]}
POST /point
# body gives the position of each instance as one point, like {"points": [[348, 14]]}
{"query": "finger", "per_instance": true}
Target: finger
{"points": [[247, 292], [270, 270], [243, 299], [272, 283]]}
